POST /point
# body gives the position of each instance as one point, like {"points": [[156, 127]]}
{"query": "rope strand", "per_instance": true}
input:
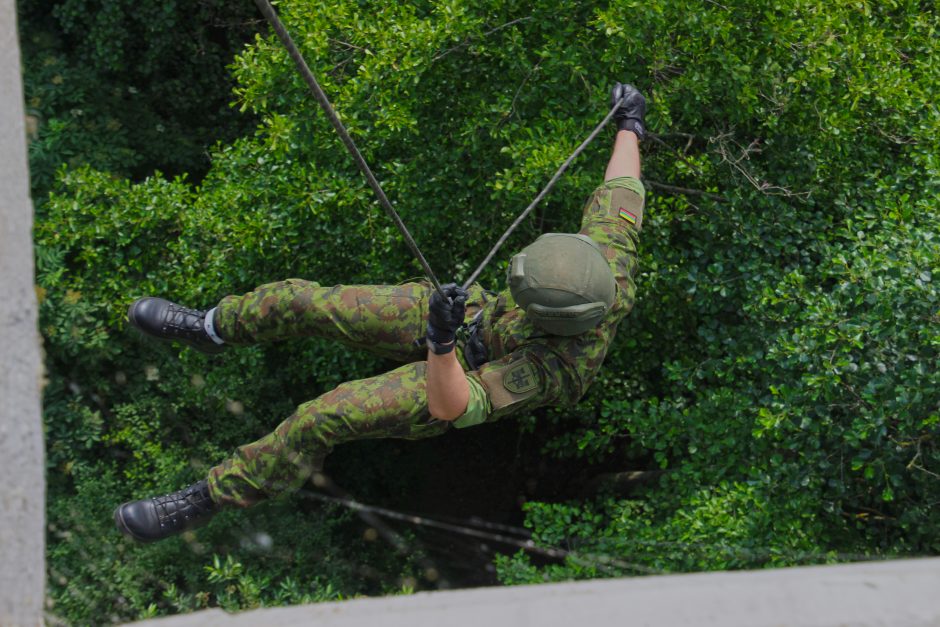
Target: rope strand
{"points": [[527, 545], [542, 194], [265, 7]]}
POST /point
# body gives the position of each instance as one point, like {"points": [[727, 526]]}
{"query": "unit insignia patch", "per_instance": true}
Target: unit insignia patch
{"points": [[521, 378]]}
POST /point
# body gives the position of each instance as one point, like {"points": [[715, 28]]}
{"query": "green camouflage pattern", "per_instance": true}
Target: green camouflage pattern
{"points": [[386, 320], [568, 365], [391, 405], [382, 319]]}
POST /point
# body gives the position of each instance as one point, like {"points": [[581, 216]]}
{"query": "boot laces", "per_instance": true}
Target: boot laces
{"points": [[182, 507], [184, 322]]}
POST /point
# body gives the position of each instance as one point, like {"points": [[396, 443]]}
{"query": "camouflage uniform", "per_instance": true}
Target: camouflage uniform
{"points": [[526, 369]]}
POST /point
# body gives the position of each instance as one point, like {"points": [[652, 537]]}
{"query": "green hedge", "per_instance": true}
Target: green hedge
{"points": [[128, 86]]}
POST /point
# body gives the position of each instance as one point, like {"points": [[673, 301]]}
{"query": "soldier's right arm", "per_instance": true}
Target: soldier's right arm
{"points": [[530, 377]]}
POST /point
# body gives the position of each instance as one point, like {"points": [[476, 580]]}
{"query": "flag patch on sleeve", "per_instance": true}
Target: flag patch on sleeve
{"points": [[626, 215]]}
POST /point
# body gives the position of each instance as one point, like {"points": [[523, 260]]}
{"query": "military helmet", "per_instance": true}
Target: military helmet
{"points": [[563, 283]]}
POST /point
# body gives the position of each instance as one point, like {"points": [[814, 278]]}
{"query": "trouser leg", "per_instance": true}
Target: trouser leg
{"points": [[384, 319], [392, 405]]}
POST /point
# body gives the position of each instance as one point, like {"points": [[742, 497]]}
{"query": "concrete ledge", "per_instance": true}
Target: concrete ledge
{"points": [[893, 594], [22, 467]]}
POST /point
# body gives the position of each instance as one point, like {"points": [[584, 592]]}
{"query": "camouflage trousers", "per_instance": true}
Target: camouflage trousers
{"points": [[384, 320]]}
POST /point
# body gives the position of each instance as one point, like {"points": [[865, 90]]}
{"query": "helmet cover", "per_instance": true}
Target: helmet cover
{"points": [[563, 282]]}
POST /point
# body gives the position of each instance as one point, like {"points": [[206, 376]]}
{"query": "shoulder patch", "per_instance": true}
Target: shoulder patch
{"points": [[521, 377], [510, 383]]}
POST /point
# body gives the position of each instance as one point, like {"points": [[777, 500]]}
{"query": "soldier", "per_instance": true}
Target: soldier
{"points": [[539, 342]]}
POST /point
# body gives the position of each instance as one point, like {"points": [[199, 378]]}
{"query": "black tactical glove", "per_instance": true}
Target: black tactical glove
{"points": [[630, 114], [445, 317]]}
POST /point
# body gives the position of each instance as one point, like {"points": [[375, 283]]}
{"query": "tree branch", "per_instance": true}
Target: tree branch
{"points": [[673, 189], [466, 42]]}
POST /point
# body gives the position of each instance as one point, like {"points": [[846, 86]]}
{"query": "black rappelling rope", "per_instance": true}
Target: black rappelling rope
{"points": [[545, 190], [265, 7]]}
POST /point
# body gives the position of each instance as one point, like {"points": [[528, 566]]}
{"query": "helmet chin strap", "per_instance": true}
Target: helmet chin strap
{"points": [[572, 320]]}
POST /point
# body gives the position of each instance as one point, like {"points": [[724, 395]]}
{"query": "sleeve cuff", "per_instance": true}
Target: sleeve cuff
{"points": [[478, 407], [627, 182]]}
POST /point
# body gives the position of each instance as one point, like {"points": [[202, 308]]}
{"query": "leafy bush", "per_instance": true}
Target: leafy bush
{"points": [[127, 86], [781, 362]]}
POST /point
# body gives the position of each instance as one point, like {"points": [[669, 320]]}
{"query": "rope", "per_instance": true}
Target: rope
{"points": [[265, 7], [542, 194], [527, 545]]}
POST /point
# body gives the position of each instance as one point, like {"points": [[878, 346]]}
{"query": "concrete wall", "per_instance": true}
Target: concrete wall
{"points": [[22, 483], [888, 594]]}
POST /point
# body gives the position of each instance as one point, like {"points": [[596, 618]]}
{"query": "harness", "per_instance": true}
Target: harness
{"points": [[471, 334], [474, 350]]}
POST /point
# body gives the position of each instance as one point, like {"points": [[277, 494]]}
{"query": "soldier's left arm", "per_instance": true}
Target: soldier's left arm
{"points": [[612, 217]]}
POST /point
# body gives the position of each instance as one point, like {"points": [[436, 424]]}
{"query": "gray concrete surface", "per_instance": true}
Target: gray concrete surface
{"points": [[889, 594], [22, 493]]}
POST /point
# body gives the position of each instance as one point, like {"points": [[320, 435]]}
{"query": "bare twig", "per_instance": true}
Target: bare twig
{"points": [[694, 167], [722, 142], [346, 44], [913, 463], [512, 105], [869, 513], [689, 136], [684, 190], [466, 42], [230, 24], [718, 5], [895, 139], [335, 70]]}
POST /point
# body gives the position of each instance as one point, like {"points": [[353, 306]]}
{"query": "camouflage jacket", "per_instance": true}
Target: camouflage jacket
{"points": [[529, 368]]}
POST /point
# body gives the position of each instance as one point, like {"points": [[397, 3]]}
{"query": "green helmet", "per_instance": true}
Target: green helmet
{"points": [[563, 283]]}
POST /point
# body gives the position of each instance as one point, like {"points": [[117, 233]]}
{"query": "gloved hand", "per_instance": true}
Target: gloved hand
{"points": [[445, 317], [630, 114]]}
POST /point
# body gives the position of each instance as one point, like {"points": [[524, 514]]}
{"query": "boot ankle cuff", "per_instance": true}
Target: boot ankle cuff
{"points": [[209, 325]]}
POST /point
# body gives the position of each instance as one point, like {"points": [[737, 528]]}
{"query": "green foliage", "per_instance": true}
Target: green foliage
{"points": [[780, 365], [129, 86], [279, 553]]}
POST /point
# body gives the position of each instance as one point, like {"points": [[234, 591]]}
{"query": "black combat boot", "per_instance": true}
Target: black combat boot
{"points": [[160, 517], [160, 318]]}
